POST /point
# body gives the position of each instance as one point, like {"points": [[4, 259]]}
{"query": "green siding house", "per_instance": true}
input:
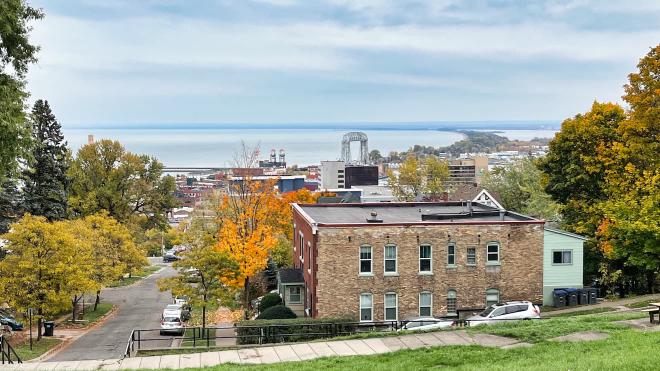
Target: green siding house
{"points": [[562, 261]]}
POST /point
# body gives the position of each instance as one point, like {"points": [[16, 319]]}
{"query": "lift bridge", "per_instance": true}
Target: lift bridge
{"points": [[355, 136]]}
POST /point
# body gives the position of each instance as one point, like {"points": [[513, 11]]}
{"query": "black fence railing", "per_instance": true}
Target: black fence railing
{"points": [[7, 353], [245, 335]]}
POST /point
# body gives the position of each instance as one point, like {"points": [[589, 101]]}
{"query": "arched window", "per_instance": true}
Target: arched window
{"points": [[492, 297], [451, 302]]}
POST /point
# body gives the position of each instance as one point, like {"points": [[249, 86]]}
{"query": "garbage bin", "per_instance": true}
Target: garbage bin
{"points": [[571, 296], [593, 295], [558, 298], [583, 296], [49, 328]]}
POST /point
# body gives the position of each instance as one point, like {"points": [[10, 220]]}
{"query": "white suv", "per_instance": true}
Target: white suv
{"points": [[504, 312]]}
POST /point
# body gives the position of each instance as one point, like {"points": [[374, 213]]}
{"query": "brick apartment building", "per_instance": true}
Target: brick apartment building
{"points": [[392, 261]]}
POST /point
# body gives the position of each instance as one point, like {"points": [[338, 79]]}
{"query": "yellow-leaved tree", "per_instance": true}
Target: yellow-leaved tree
{"points": [[45, 269]]}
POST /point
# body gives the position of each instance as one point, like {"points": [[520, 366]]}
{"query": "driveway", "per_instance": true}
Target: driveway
{"points": [[139, 307]]}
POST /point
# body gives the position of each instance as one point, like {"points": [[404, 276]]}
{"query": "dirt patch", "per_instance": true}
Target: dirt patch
{"points": [[640, 324]]}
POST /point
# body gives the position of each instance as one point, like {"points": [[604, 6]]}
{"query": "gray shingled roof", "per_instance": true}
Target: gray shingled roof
{"points": [[290, 275]]}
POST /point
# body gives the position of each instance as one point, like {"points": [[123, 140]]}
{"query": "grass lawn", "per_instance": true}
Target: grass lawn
{"points": [[92, 316], [586, 311], [38, 348], [625, 350], [536, 331], [136, 277]]}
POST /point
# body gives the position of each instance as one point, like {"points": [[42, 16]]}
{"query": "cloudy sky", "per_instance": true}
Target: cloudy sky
{"points": [[273, 61]]}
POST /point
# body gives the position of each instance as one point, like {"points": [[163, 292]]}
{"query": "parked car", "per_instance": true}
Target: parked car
{"points": [[192, 275], [425, 323], [172, 324], [177, 310], [511, 310], [169, 256], [11, 322]]}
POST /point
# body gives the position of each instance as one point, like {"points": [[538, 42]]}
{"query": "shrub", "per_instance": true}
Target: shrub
{"points": [[277, 312], [270, 300], [292, 330]]}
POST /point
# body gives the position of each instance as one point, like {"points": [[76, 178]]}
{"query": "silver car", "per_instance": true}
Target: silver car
{"points": [[504, 312], [425, 323]]}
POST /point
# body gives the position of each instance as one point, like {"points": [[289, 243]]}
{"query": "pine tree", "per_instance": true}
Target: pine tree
{"points": [[10, 203], [45, 191]]}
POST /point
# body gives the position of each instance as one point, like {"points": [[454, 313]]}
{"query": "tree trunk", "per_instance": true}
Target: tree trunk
{"points": [[98, 299], [73, 311], [650, 280], [39, 329], [246, 297]]}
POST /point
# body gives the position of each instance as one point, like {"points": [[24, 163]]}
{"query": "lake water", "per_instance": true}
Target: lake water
{"points": [[215, 147]]}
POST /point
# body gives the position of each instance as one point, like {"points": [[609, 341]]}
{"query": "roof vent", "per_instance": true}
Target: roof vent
{"points": [[373, 218]]}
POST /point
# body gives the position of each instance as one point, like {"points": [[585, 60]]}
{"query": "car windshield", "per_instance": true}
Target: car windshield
{"points": [[488, 311], [174, 306], [171, 319]]}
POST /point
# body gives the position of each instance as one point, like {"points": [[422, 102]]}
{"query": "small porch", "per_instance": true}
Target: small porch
{"points": [[291, 286]]}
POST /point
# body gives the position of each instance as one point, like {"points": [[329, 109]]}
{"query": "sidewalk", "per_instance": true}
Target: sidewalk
{"points": [[285, 352], [619, 304]]}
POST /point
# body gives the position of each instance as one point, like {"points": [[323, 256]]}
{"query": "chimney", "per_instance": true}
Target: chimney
{"points": [[469, 207], [373, 218], [502, 213], [90, 138]]}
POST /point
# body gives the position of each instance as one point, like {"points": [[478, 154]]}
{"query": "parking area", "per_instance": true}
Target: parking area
{"points": [[139, 306]]}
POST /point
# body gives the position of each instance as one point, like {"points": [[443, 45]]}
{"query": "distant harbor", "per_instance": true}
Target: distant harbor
{"points": [[176, 147]]}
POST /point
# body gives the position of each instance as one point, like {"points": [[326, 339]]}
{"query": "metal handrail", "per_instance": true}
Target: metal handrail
{"points": [[6, 351]]}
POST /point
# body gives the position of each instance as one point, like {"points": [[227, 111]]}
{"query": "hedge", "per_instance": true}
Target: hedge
{"points": [[269, 300], [292, 330], [277, 312]]}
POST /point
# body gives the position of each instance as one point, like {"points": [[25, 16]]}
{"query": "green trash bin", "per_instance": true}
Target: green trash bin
{"points": [[49, 328]]}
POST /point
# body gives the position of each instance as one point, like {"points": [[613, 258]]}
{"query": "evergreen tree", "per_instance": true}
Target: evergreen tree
{"points": [[45, 191], [10, 204]]}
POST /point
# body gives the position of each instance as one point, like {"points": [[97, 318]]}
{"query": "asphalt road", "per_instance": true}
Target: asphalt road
{"points": [[139, 307]]}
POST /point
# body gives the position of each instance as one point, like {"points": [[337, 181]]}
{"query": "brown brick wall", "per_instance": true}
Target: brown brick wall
{"points": [[338, 286]]}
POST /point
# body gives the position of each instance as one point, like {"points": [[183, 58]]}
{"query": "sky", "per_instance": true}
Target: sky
{"points": [[288, 61]]}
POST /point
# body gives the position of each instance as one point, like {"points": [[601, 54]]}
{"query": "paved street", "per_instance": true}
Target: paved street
{"points": [[139, 305]]}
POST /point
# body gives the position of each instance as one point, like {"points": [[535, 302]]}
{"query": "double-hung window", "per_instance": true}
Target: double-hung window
{"points": [[295, 295], [451, 254], [390, 259], [425, 304], [425, 265], [366, 308], [493, 253], [365, 260], [492, 297], [391, 307], [471, 256], [562, 257], [451, 302], [301, 241]]}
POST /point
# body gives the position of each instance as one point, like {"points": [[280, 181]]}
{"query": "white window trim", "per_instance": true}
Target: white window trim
{"points": [[396, 306], [371, 261], [300, 301], [451, 265], [467, 254], [301, 253], [419, 260], [309, 252], [419, 303], [499, 295], [396, 260], [499, 253], [361, 307], [552, 256]]}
